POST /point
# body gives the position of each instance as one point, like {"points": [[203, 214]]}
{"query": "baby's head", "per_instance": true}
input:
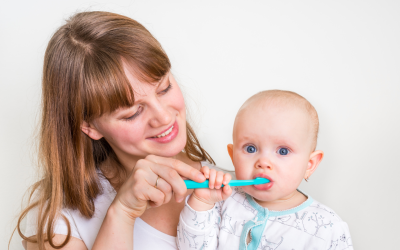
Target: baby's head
{"points": [[274, 136]]}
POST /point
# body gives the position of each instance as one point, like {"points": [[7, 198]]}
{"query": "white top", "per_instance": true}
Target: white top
{"points": [[310, 225], [145, 236]]}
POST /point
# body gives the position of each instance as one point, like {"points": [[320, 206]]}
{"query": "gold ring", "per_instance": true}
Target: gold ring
{"points": [[158, 177]]}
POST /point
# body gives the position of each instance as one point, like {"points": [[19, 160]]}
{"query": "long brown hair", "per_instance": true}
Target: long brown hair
{"points": [[83, 78]]}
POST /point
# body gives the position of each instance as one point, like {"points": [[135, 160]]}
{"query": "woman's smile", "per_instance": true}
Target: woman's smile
{"points": [[167, 135]]}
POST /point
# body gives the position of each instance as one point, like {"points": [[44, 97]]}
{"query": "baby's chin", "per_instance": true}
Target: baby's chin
{"points": [[259, 195]]}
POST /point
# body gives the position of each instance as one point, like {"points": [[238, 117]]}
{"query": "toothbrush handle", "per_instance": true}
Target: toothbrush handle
{"points": [[192, 184], [234, 183]]}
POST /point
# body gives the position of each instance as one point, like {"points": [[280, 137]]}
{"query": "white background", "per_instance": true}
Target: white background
{"points": [[343, 56]]}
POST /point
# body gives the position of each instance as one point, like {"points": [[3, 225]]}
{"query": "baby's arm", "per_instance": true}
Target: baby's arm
{"points": [[199, 220]]}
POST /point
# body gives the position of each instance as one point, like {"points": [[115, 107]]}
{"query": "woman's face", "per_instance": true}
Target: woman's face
{"points": [[155, 124]]}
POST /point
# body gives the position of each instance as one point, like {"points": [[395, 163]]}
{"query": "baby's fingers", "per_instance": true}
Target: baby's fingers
{"points": [[211, 180], [227, 179], [226, 192], [219, 179], [206, 171]]}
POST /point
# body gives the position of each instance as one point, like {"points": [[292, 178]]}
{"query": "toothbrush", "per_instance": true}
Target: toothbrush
{"points": [[192, 184]]}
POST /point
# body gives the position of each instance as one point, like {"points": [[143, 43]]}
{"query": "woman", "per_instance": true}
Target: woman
{"points": [[114, 141]]}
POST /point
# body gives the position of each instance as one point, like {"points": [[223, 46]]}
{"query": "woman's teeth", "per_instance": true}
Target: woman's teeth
{"points": [[165, 133]]}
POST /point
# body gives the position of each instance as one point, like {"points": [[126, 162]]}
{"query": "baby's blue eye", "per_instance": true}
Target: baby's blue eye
{"points": [[251, 149], [283, 151]]}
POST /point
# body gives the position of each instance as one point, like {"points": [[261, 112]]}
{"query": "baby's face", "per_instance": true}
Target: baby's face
{"points": [[272, 141]]}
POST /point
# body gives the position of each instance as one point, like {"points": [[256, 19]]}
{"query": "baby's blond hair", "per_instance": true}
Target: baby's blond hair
{"points": [[288, 98]]}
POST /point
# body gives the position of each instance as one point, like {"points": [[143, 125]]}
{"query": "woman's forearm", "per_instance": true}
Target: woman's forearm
{"points": [[116, 232]]}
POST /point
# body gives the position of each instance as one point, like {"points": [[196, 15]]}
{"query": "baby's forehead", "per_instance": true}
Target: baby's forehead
{"points": [[258, 106], [278, 102]]}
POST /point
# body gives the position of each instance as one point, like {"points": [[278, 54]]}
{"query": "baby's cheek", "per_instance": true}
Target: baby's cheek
{"points": [[243, 168], [242, 174], [293, 180], [248, 189]]}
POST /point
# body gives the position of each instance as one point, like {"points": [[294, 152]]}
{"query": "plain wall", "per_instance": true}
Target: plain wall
{"points": [[343, 56]]}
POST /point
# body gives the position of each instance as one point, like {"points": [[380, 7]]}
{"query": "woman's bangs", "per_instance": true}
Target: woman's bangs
{"points": [[106, 87]]}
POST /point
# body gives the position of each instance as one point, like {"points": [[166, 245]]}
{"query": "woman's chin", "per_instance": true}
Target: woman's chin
{"points": [[170, 149]]}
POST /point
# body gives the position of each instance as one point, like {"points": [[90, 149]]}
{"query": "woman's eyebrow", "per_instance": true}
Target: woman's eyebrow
{"points": [[162, 80]]}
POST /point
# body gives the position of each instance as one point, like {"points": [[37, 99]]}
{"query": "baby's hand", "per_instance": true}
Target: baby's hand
{"points": [[203, 198]]}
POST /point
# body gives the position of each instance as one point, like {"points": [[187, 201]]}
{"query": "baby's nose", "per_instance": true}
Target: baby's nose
{"points": [[264, 163]]}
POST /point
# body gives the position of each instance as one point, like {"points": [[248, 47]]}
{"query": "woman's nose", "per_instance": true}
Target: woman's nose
{"points": [[160, 116]]}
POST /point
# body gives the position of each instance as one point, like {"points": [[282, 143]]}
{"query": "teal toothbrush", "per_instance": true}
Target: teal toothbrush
{"points": [[192, 184]]}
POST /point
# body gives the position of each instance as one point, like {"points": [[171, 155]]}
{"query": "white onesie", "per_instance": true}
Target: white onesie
{"points": [[310, 225]]}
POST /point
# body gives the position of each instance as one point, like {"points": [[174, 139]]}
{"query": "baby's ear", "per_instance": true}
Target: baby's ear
{"points": [[230, 151], [313, 162]]}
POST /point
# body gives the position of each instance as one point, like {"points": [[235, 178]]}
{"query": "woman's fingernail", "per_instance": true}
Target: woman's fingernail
{"points": [[201, 176]]}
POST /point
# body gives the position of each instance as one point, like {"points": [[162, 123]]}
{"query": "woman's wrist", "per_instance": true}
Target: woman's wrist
{"points": [[199, 204], [116, 231], [118, 213]]}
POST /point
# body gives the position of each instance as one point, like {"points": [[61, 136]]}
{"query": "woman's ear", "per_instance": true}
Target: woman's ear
{"points": [[313, 162], [230, 151], [91, 131]]}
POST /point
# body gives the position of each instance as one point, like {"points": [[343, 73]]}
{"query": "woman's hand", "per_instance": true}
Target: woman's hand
{"points": [[139, 192], [204, 198]]}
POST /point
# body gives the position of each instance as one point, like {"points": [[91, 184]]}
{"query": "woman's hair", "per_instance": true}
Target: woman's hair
{"points": [[83, 78]]}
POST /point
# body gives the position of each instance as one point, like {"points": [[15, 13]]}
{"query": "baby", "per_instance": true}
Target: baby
{"points": [[274, 137]]}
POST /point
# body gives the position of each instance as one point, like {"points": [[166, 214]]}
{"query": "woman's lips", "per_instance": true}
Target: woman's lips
{"points": [[265, 186], [169, 137]]}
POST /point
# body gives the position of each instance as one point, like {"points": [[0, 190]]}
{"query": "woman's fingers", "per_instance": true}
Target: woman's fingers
{"points": [[154, 189], [141, 186], [140, 191], [164, 187], [170, 176], [181, 168], [155, 197]]}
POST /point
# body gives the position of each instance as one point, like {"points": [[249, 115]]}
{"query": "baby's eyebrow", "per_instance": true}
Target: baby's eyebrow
{"points": [[284, 142], [245, 138]]}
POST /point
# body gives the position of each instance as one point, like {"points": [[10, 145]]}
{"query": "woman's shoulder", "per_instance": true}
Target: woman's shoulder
{"points": [[81, 227], [61, 225], [212, 166]]}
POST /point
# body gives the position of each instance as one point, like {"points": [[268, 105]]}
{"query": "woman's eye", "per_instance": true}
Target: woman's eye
{"points": [[167, 89], [140, 109], [251, 149], [283, 151]]}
